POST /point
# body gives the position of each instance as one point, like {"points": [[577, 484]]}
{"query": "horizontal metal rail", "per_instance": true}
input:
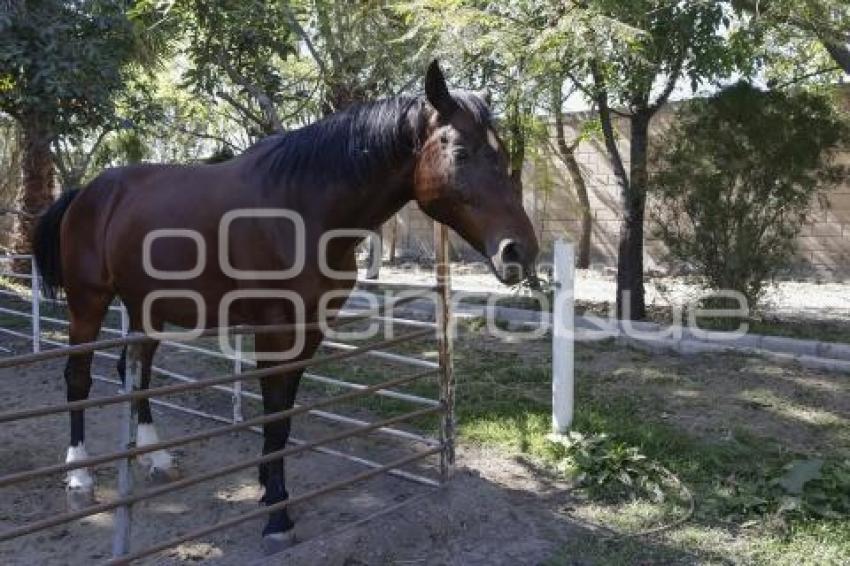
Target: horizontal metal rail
{"points": [[127, 559], [416, 478], [19, 295], [203, 435], [385, 355], [309, 376], [187, 482], [384, 393], [183, 336], [187, 379], [246, 394], [205, 383], [15, 275], [396, 285], [11, 332], [323, 414]]}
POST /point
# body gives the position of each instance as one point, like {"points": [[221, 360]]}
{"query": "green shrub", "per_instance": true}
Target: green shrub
{"points": [[734, 180]]}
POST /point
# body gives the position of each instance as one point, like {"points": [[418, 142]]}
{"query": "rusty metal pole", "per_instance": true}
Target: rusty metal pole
{"points": [[129, 423], [445, 327]]}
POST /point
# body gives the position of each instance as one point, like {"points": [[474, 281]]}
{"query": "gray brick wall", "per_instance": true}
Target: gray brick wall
{"points": [[823, 245]]}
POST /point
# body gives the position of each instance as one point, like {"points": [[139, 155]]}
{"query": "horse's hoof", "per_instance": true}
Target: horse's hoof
{"points": [[78, 499], [163, 475], [278, 542]]}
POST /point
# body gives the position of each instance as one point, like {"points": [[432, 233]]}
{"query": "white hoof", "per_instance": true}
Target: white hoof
{"points": [[77, 499], [79, 484], [278, 542], [79, 479], [159, 464]]}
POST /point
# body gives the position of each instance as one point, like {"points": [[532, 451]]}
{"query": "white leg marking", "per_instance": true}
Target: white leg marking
{"points": [[158, 460], [79, 479]]}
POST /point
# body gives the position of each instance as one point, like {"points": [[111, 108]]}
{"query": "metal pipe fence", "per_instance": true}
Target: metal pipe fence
{"points": [[231, 384]]}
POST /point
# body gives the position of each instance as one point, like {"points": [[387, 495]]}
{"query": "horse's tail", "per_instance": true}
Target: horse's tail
{"points": [[47, 245]]}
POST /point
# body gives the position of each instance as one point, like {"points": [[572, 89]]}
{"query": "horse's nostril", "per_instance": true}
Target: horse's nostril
{"points": [[511, 253]]}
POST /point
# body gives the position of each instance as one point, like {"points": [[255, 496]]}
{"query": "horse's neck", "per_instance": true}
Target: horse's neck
{"points": [[368, 205], [383, 200]]}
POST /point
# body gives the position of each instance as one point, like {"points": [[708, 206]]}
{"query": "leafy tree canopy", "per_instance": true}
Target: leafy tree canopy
{"points": [[65, 61]]}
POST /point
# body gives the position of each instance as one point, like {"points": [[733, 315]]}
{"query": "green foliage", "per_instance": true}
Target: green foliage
{"points": [[608, 469], [802, 489], [734, 181], [642, 41], [798, 40], [65, 61]]}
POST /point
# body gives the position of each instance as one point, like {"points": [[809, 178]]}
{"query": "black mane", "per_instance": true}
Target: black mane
{"points": [[355, 144]]}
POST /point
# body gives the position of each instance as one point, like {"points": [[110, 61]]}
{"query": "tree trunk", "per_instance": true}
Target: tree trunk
{"points": [[38, 179], [583, 257], [567, 152], [630, 291], [517, 146]]}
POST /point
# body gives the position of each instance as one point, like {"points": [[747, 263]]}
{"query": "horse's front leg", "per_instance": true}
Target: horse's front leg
{"points": [[159, 464], [279, 395]]}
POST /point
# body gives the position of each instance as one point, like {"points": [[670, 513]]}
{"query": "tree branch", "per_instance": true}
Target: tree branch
{"points": [[306, 38], [601, 98], [270, 117], [242, 109], [672, 79], [840, 53]]}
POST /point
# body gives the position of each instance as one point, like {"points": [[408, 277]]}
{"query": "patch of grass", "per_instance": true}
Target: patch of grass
{"points": [[503, 400]]}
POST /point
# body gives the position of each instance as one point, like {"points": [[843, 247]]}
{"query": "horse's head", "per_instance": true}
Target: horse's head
{"points": [[462, 180]]}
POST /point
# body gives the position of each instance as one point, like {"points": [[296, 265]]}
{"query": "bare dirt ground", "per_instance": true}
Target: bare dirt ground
{"points": [[476, 522], [499, 509]]}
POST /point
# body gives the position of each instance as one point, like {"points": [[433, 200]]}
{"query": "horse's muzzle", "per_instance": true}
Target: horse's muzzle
{"points": [[513, 261]]}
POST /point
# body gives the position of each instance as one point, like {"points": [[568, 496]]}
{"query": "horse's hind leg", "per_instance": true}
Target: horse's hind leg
{"points": [[160, 464], [85, 317]]}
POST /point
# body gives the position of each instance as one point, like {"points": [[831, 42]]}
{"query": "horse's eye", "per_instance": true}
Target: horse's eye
{"points": [[461, 153]]}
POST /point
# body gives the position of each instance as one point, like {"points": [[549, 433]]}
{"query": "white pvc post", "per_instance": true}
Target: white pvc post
{"points": [[36, 301], [123, 514], [237, 385], [563, 338], [125, 320]]}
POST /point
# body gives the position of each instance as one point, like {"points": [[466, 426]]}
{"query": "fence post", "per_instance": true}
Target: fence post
{"points": [[563, 337], [237, 385], [125, 320], [36, 307], [443, 319], [123, 514]]}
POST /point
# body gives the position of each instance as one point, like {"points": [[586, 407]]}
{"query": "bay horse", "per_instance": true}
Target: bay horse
{"points": [[351, 170]]}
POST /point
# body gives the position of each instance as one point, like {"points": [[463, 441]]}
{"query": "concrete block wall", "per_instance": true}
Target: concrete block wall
{"points": [[823, 246]]}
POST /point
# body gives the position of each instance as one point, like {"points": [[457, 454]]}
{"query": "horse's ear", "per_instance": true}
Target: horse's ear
{"points": [[437, 92]]}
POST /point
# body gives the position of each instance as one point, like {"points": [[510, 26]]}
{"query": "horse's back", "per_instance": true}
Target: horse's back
{"points": [[109, 219]]}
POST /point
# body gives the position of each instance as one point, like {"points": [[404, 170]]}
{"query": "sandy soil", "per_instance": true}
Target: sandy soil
{"points": [[470, 522], [498, 510], [793, 299]]}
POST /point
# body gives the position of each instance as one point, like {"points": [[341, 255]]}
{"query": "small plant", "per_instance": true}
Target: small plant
{"points": [[608, 469]]}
